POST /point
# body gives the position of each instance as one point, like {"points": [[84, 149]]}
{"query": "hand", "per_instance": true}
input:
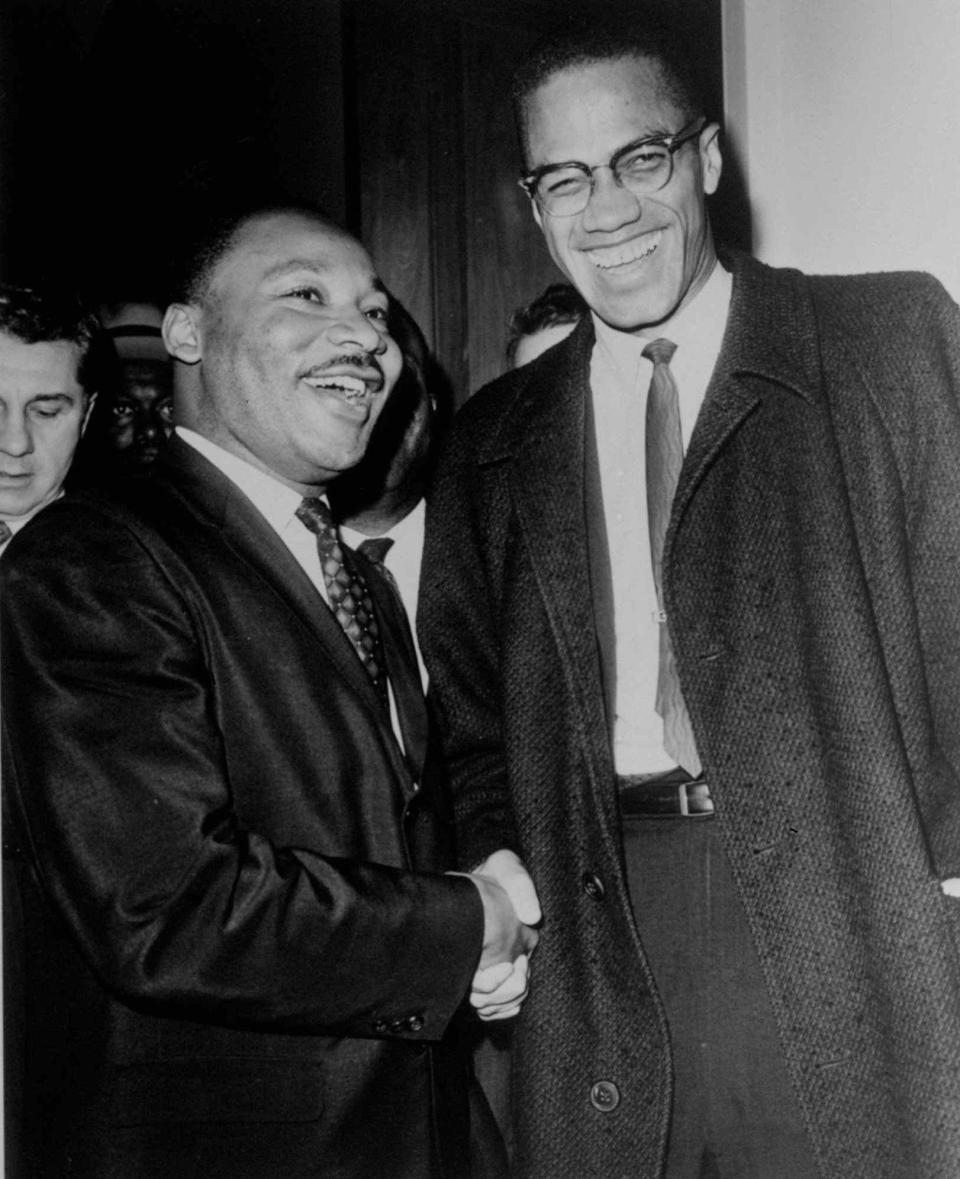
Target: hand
{"points": [[505, 937], [501, 982], [507, 869], [498, 991]]}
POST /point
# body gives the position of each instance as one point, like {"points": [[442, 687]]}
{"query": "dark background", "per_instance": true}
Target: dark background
{"points": [[393, 114]]}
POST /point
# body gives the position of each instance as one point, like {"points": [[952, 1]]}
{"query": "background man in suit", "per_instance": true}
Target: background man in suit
{"points": [[691, 616], [244, 956], [543, 322], [47, 389]]}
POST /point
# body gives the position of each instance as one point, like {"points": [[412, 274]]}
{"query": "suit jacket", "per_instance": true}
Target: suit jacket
{"points": [[811, 579], [243, 956]]}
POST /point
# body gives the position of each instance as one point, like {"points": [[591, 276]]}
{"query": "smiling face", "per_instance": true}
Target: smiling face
{"points": [[43, 411], [634, 259], [295, 362]]}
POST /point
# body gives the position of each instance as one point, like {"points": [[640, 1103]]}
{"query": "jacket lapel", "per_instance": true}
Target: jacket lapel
{"points": [[548, 490], [242, 527]]}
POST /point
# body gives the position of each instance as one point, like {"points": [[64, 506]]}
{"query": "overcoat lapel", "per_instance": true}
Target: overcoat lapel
{"points": [[548, 491], [755, 357], [240, 525]]}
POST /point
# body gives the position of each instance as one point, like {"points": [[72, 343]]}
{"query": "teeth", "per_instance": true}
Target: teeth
{"points": [[350, 387], [611, 256]]}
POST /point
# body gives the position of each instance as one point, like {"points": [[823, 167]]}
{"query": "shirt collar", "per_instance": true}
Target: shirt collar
{"points": [[699, 325], [409, 527], [15, 523], [275, 500]]}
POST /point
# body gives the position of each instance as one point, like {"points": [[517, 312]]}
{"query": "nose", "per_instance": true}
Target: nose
{"points": [[16, 439], [610, 205], [148, 427], [353, 328]]}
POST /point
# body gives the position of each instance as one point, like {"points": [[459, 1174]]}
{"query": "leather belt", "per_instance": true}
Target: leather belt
{"points": [[672, 795]]}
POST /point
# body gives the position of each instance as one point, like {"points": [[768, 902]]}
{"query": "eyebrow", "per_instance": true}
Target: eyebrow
{"points": [[64, 395], [646, 137], [316, 266]]}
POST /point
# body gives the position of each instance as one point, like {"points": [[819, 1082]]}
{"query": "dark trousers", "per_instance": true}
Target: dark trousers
{"points": [[735, 1115]]}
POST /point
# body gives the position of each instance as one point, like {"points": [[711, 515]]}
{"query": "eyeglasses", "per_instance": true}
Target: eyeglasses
{"points": [[642, 167]]}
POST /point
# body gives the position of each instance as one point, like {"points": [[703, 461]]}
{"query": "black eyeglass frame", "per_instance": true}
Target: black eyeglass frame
{"points": [[672, 143]]}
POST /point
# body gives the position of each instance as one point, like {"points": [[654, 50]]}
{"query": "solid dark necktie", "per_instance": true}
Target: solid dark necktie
{"points": [[664, 454], [347, 592], [405, 678], [375, 549]]}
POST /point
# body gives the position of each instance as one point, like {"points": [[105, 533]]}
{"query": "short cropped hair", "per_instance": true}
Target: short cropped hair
{"points": [[636, 33], [41, 317], [559, 303], [209, 234]]}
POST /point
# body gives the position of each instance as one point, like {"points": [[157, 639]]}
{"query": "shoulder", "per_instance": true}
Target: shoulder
{"points": [[882, 301], [490, 423], [98, 537], [870, 302]]}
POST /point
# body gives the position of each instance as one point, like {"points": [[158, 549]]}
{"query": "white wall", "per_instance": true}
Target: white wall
{"points": [[845, 115]]}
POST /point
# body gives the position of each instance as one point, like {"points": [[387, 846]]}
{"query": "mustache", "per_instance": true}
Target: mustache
{"points": [[361, 360]]}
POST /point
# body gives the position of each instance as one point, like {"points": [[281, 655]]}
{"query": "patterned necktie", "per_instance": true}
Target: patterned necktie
{"points": [[347, 592], [664, 453], [5, 532]]}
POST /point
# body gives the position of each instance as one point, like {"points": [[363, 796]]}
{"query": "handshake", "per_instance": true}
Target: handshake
{"points": [[510, 910]]}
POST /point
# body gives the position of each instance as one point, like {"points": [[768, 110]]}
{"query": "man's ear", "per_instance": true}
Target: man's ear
{"points": [[711, 161], [181, 335]]}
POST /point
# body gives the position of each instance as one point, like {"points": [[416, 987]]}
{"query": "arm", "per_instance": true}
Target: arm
{"points": [[118, 774], [460, 636]]}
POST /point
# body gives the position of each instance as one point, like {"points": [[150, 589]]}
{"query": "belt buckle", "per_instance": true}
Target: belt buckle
{"points": [[694, 799]]}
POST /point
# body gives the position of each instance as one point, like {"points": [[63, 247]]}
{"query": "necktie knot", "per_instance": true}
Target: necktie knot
{"points": [[5, 531], [660, 351], [375, 549], [315, 514]]}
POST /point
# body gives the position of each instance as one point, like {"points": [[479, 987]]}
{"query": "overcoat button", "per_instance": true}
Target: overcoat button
{"points": [[605, 1096], [593, 886]]}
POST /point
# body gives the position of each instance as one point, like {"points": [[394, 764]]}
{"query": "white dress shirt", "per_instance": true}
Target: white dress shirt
{"points": [[276, 502], [619, 380]]}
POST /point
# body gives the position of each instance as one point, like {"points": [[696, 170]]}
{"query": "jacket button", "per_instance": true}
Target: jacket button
{"points": [[592, 885], [605, 1096]]}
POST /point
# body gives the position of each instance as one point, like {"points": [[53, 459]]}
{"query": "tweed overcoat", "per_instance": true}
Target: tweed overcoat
{"points": [[242, 956], [812, 585]]}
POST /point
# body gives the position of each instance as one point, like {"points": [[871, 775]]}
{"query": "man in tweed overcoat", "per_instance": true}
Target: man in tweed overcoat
{"points": [[811, 586]]}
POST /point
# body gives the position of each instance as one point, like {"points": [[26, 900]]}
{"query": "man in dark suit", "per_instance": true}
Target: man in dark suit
{"points": [[691, 615], [51, 365], [244, 954]]}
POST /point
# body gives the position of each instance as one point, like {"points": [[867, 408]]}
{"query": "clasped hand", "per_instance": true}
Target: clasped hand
{"points": [[510, 910]]}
